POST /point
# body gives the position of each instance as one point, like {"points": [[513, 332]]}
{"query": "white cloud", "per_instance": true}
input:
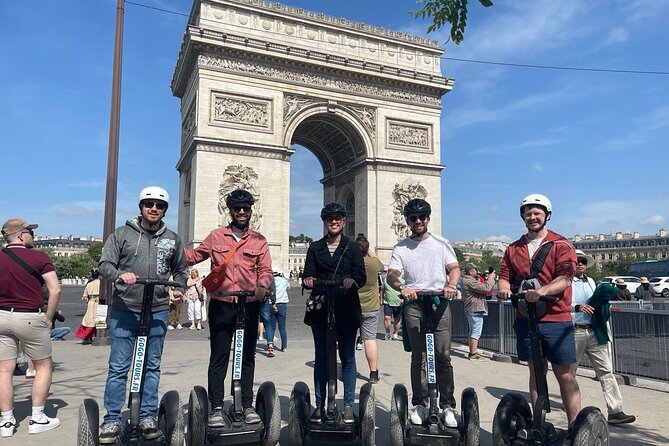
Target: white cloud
{"points": [[616, 35], [499, 238], [642, 130], [78, 209], [539, 167], [654, 220]]}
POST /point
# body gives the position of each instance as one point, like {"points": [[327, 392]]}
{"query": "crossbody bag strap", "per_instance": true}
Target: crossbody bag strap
{"points": [[539, 260], [231, 253], [24, 265], [339, 261]]}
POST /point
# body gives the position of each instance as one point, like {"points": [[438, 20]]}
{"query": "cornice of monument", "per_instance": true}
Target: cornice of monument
{"points": [[255, 149], [339, 22], [334, 73]]}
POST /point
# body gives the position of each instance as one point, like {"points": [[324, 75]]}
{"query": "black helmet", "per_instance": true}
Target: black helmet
{"points": [[417, 206], [333, 209], [239, 196]]}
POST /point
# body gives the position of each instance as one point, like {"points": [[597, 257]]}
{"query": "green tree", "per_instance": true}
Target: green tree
{"points": [[618, 267], [446, 11], [462, 260]]}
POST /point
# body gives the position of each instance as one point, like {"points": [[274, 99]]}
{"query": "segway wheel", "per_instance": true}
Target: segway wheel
{"points": [[198, 415], [513, 414], [171, 419], [269, 410], [298, 412], [89, 420], [367, 411], [399, 413], [590, 428], [471, 424]]}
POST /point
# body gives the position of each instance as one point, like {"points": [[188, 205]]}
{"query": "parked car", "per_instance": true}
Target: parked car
{"points": [[660, 286], [631, 281]]}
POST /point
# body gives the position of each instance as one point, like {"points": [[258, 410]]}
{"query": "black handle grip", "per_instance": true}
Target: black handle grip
{"points": [[328, 282], [429, 293], [154, 282], [521, 296], [237, 293]]}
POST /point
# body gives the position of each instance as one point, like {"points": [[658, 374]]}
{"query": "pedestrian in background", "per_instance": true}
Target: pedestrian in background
{"points": [[623, 292], [644, 291], [370, 302], [22, 319], [174, 318], [592, 340], [195, 295], [279, 309], [474, 295], [86, 331], [58, 333], [392, 309]]}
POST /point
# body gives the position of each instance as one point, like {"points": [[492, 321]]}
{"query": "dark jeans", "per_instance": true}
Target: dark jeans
{"points": [[222, 317], [346, 346], [442, 341], [270, 320]]}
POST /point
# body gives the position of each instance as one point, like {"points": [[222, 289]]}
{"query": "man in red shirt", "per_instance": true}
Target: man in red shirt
{"points": [[554, 278], [249, 268], [24, 270]]}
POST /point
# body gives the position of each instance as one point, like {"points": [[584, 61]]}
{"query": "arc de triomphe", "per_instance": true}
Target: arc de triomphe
{"points": [[256, 77]]}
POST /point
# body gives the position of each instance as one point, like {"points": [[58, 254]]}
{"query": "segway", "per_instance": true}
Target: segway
{"points": [[516, 424], [236, 431], [331, 429], [433, 431], [170, 410]]}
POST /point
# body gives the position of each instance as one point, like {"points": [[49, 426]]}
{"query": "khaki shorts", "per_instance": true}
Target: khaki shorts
{"points": [[370, 325], [32, 330]]}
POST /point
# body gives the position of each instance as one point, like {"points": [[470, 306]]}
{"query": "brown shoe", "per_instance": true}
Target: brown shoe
{"points": [[621, 418]]}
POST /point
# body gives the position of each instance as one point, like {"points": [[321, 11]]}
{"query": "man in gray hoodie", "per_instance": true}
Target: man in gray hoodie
{"points": [[143, 248]]}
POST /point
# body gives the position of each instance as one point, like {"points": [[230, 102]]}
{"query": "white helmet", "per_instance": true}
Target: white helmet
{"points": [[537, 199], [154, 193]]}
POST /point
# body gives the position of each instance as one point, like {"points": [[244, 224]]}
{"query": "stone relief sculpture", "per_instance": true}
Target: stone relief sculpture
{"points": [[401, 195], [411, 136], [239, 177], [367, 117], [241, 112], [293, 104]]}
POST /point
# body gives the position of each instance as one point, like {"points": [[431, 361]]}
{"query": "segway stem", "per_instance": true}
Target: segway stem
{"points": [[331, 342], [426, 299]]}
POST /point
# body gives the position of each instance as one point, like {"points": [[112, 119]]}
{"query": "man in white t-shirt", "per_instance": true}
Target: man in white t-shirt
{"points": [[426, 261]]}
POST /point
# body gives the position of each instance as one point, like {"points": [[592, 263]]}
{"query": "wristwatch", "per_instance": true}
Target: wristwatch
{"points": [[401, 287]]}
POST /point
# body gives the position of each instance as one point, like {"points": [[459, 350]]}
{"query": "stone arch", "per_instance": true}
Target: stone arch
{"points": [[255, 77]]}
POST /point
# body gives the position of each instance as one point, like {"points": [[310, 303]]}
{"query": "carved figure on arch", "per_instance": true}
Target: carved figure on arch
{"points": [[401, 194], [239, 177]]}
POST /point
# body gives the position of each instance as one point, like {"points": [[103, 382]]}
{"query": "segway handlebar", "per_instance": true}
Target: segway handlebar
{"points": [[328, 282], [521, 296], [153, 282], [429, 293], [236, 293]]}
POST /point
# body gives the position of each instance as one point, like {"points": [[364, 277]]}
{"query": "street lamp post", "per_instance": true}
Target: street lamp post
{"points": [[102, 337]]}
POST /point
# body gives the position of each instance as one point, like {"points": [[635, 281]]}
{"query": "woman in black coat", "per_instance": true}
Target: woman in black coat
{"points": [[335, 257]]}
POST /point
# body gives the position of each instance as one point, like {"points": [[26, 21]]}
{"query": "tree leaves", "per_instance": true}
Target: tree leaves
{"points": [[446, 11]]}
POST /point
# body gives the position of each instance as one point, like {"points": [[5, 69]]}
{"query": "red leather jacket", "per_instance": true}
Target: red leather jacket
{"points": [[561, 261], [250, 267]]}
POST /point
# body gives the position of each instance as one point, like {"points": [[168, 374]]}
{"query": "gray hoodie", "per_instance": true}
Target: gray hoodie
{"points": [[150, 256]]}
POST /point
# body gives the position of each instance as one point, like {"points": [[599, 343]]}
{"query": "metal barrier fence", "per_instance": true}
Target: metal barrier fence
{"points": [[640, 337]]}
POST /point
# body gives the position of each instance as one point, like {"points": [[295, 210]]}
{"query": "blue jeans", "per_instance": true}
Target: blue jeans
{"points": [[271, 323], [346, 346], [59, 333], [123, 327]]}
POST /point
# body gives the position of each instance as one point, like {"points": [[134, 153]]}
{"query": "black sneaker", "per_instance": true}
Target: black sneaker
{"points": [[109, 431], [250, 416], [316, 415], [374, 377], [149, 428], [216, 418], [348, 417], [621, 418]]}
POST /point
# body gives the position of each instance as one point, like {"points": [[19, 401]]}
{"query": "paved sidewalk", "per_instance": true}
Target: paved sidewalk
{"points": [[81, 370]]}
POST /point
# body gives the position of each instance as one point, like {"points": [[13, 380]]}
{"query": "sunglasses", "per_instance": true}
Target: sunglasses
{"points": [[415, 218], [582, 262], [148, 204], [331, 218], [29, 231], [238, 209]]}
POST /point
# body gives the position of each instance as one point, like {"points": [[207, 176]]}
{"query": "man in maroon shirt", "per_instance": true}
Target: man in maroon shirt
{"points": [[23, 271], [554, 279]]}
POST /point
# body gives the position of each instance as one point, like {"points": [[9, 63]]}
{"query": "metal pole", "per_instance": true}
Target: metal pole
{"points": [[102, 337]]}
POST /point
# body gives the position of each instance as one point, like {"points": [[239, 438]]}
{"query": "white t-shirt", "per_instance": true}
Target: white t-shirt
{"points": [[423, 263], [533, 245]]}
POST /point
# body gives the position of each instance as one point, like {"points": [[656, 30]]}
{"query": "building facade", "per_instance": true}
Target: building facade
{"points": [[66, 246], [606, 248]]}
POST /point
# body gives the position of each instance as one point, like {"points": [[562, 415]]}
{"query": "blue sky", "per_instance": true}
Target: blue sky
{"points": [[596, 143]]}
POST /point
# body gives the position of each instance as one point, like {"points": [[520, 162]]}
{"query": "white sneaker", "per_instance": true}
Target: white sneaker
{"points": [[46, 424], [7, 428], [179, 327], [260, 338], [169, 327], [192, 327], [199, 327], [448, 415], [419, 415], [395, 337]]}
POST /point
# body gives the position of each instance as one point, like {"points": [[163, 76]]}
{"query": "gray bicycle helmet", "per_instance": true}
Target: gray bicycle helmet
{"points": [[239, 196], [417, 206], [333, 209]]}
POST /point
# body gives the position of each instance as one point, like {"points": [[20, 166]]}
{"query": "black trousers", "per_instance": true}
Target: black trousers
{"points": [[222, 317]]}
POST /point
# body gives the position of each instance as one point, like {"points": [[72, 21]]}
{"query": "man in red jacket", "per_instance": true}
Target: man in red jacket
{"points": [[554, 277]]}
